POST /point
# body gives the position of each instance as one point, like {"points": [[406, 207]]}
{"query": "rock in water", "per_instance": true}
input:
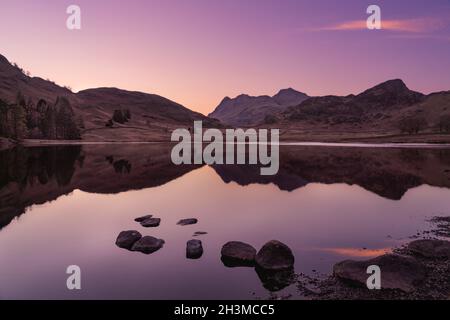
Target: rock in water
{"points": [[238, 254], [276, 280], [126, 239], [143, 218], [199, 233], [151, 222], [397, 272], [275, 255], [148, 245], [434, 249], [194, 249], [185, 222]]}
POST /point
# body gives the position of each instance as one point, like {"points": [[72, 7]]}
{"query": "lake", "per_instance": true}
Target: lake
{"points": [[66, 205]]}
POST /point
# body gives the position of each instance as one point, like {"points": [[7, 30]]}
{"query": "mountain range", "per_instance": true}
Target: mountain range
{"points": [[245, 110], [389, 111]]}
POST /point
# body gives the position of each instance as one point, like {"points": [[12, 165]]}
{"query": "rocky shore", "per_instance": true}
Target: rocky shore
{"points": [[419, 270]]}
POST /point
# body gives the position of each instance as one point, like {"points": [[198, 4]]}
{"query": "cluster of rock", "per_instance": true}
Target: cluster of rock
{"points": [[148, 221], [405, 271], [134, 241], [274, 262]]}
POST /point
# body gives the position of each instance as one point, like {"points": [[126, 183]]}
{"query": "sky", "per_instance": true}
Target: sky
{"points": [[196, 52]]}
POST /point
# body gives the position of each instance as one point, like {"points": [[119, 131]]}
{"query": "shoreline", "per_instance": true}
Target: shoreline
{"points": [[37, 143], [434, 286]]}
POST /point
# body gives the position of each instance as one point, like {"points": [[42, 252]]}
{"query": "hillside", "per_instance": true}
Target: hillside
{"points": [[152, 117]]}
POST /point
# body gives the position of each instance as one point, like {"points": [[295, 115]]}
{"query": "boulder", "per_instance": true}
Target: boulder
{"points": [[151, 222], [185, 222], [275, 255], [238, 254], [434, 249], [126, 239], [148, 245], [194, 249], [143, 218], [397, 272]]}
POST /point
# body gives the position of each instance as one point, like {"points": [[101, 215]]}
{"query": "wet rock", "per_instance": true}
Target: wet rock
{"points": [[275, 280], [126, 239], [428, 248], [143, 218], [151, 222], [185, 222], [275, 255], [148, 245], [238, 254], [397, 272], [194, 249]]}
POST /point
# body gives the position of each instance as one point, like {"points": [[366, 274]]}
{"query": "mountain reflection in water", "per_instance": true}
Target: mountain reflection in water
{"points": [[37, 175]]}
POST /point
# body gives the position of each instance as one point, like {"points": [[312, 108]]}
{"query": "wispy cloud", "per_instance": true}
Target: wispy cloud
{"points": [[419, 25]]}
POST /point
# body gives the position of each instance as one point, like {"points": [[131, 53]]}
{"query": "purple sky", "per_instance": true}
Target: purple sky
{"points": [[198, 51]]}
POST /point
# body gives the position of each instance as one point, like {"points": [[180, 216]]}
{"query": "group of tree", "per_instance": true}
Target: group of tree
{"points": [[412, 124], [416, 124], [22, 119], [444, 124], [120, 116]]}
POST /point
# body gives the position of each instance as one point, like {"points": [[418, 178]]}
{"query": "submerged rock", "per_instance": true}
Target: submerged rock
{"points": [[185, 222], [238, 254], [143, 218], [275, 255], [194, 249], [397, 272], [126, 239], [433, 249], [148, 245], [151, 222]]}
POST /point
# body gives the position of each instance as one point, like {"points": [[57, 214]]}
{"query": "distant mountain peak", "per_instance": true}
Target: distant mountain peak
{"points": [[287, 90], [249, 110], [393, 85]]}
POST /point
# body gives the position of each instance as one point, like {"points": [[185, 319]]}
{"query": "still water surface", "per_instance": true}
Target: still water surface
{"points": [[61, 206]]}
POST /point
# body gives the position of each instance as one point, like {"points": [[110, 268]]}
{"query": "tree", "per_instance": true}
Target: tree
{"points": [[119, 116], [19, 117], [444, 123], [32, 116], [48, 123], [4, 120], [66, 127], [127, 114]]}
